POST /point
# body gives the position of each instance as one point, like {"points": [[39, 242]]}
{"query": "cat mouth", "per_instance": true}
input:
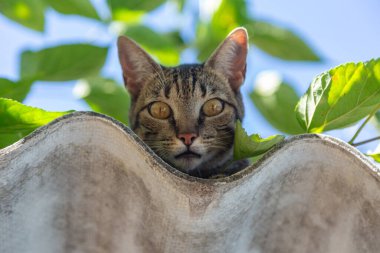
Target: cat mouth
{"points": [[188, 155]]}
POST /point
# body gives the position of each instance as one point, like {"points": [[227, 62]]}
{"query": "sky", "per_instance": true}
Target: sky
{"points": [[340, 31]]}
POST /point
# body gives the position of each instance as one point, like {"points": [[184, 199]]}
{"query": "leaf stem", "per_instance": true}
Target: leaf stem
{"points": [[363, 124], [366, 141]]}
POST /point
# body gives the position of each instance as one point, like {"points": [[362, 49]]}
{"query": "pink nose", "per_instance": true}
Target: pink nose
{"points": [[187, 138]]}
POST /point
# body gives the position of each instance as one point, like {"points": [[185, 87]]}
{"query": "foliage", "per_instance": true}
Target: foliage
{"points": [[272, 39], [252, 146], [98, 92], [165, 46], [62, 63], [14, 90], [277, 106], [340, 97], [375, 156], [336, 98], [18, 120]]}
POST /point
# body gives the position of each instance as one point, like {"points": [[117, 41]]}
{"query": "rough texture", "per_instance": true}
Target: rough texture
{"points": [[85, 183]]}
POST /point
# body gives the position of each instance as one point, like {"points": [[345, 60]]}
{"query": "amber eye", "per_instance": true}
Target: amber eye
{"points": [[212, 107], [159, 110]]}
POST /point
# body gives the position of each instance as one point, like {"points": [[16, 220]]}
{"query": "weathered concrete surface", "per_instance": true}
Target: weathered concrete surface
{"points": [[86, 184]]}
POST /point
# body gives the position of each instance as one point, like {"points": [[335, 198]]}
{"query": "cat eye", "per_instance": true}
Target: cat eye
{"points": [[213, 107], [159, 110]]}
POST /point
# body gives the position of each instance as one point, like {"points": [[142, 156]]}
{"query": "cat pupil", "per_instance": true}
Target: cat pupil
{"points": [[192, 121]]}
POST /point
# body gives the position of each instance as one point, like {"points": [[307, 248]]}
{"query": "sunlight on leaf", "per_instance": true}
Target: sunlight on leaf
{"points": [[375, 154], [340, 97], [63, 63], [375, 157], [22, 11], [104, 96], [249, 146], [128, 16], [27, 13], [18, 120]]}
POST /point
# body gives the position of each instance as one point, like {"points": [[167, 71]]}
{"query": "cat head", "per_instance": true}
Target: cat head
{"points": [[187, 114]]}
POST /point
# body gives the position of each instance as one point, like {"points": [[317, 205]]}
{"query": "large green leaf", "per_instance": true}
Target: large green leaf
{"points": [[14, 90], [28, 13], [105, 96], [249, 146], [77, 7], [277, 106], [131, 10], [18, 120], [280, 42], [63, 63], [340, 97], [164, 46]]}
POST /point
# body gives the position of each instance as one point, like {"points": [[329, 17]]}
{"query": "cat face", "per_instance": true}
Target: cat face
{"points": [[187, 114]]}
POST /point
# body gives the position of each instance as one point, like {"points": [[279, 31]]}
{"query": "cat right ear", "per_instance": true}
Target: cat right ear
{"points": [[136, 64], [229, 59]]}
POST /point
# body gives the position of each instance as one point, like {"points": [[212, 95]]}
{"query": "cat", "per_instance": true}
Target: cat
{"points": [[187, 114]]}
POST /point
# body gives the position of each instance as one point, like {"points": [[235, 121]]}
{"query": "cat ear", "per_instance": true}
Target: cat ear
{"points": [[136, 64], [229, 59]]}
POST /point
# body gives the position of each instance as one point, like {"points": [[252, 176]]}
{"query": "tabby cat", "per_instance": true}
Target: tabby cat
{"points": [[187, 114]]}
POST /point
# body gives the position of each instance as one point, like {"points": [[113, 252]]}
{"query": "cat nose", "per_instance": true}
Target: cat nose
{"points": [[187, 138]]}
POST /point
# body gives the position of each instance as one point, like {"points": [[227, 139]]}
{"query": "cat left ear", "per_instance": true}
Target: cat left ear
{"points": [[137, 65], [229, 59]]}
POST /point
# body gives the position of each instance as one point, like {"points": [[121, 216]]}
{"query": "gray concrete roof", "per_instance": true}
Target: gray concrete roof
{"points": [[86, 183]]}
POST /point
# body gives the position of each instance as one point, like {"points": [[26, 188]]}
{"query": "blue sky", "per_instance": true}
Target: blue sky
{"points": [[340, 31]]}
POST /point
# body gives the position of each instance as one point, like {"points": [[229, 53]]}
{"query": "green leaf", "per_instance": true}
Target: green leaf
{"points": [[14, 90], [105, 96], [145, 5], [63, 63], [248, 146], [18, 120], [207, 40], [164, 46], [340, 97], [77, 7], [375, 154], [377, 119], [28, 13], [280, 42], [375, 157], [277, 106], [228, 16], [180, 4], [131, 10]]}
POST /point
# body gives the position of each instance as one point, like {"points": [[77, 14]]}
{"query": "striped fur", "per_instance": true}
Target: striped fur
{"points": [[185, 89]]}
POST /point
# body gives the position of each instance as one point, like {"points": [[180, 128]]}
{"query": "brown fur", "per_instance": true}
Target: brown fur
{"points": [[185, 89]]}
